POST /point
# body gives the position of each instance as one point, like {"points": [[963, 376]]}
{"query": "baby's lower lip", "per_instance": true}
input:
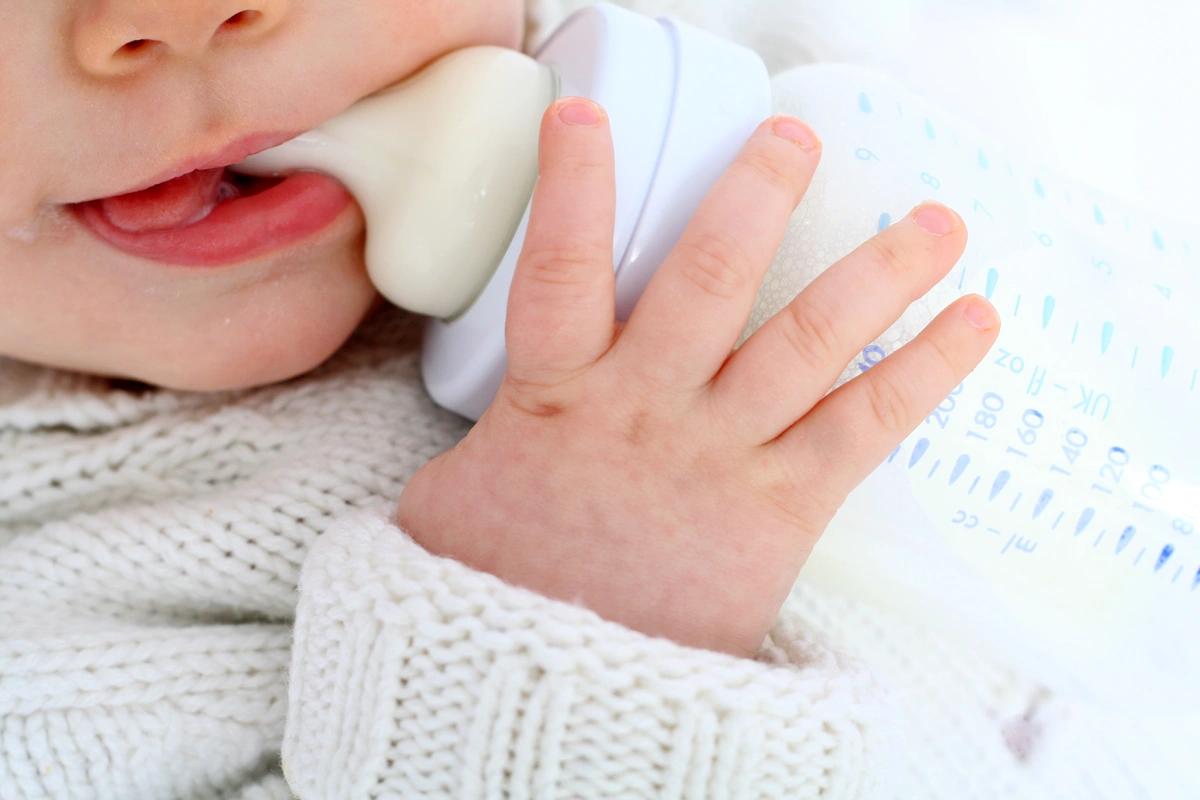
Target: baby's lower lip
{"points": [[270, 216]]}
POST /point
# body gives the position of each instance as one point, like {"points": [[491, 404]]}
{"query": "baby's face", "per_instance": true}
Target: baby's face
{"points": [[99, 98]]}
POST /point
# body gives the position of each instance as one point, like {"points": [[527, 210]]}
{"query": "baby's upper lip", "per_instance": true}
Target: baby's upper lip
{"points": [[232, 153]]}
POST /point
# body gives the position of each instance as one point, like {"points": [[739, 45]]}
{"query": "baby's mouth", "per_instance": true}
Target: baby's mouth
{"points": [[213, 217], [179, 202]]}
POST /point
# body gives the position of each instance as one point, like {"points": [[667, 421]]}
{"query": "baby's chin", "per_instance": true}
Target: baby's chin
{"points": [[301, 332], [266, 332]]}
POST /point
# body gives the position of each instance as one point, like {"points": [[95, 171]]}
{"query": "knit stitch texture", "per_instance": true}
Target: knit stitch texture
{"points": [[153, 548], [149, 557]]}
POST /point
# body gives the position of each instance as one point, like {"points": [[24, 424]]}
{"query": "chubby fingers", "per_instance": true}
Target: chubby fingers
{"points": [[791, 361], [693, 310], [849, 433], [561, 305]]}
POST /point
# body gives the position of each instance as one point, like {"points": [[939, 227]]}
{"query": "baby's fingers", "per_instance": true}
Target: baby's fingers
{"points": [[561, 306], [846, 436], [691, 313], [791, 362]]}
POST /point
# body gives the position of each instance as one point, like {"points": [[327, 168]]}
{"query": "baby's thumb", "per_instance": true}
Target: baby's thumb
{"points": [[561, 305]]}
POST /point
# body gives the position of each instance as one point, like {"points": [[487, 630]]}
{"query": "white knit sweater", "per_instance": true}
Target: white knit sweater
{"points": [[203, 595], [150, 550]]}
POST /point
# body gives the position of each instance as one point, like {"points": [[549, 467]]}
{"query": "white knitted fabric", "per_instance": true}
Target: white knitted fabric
{"points": [[150, 551], [149, 554], [203, 596]]}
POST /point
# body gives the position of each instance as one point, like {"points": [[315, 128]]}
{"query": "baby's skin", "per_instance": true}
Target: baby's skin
{"points": [[641, 469]]}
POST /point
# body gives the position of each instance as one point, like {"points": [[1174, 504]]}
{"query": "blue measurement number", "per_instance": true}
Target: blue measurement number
{"points": [[1152, 489], [1031, 423], [941, 415], [1113, 470], [987, 418], [1072, 448]]}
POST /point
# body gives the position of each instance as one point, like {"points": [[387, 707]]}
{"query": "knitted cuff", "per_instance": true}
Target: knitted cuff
{"points": [[415, 675]]}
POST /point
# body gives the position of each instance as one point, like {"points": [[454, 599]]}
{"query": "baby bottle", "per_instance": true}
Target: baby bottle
{"points": [[1047, 509], [447, 209]]}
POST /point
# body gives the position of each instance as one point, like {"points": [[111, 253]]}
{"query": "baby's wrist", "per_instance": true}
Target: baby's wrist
{"points": [[635, 599]]}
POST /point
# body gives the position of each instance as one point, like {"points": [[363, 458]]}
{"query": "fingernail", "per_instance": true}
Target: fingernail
{"points": [[579, 111], [980, 314], [796, 131], [936, 218]]}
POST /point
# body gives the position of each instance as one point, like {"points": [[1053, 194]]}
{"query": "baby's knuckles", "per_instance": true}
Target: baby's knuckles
{"points": [[798, 492], [725, 512], [540, 395], [662, 523]]}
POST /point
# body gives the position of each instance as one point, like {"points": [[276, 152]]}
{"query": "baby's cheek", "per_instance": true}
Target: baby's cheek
{"points": [[42, 305], [34, 128], [20, 209], [72, 303]]}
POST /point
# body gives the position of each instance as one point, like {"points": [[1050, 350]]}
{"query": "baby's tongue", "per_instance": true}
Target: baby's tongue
{"points": [[167, 205]]}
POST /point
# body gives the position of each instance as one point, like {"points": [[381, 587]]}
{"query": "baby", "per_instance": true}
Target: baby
{"points": [[583, 595]]}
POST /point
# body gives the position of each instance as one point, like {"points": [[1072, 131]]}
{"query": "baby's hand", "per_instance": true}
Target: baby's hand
{"points": [[641, 469]]}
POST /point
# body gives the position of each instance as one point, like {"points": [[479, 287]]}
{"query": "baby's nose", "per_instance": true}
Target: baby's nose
{"points": [[120, 37]]}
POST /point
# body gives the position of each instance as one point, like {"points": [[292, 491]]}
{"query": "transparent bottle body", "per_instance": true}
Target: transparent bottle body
{"points": [[1048, 507]]}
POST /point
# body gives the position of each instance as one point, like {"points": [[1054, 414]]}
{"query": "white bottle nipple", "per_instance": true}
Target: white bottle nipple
{"points": [[443, 166]]}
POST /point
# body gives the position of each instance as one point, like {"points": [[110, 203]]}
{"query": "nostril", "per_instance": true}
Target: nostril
{"points": [[242, 19], [137, 48], [119, 43]]}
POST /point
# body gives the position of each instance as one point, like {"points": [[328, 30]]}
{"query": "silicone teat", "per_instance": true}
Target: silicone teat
{"points": [[443, 166]]}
